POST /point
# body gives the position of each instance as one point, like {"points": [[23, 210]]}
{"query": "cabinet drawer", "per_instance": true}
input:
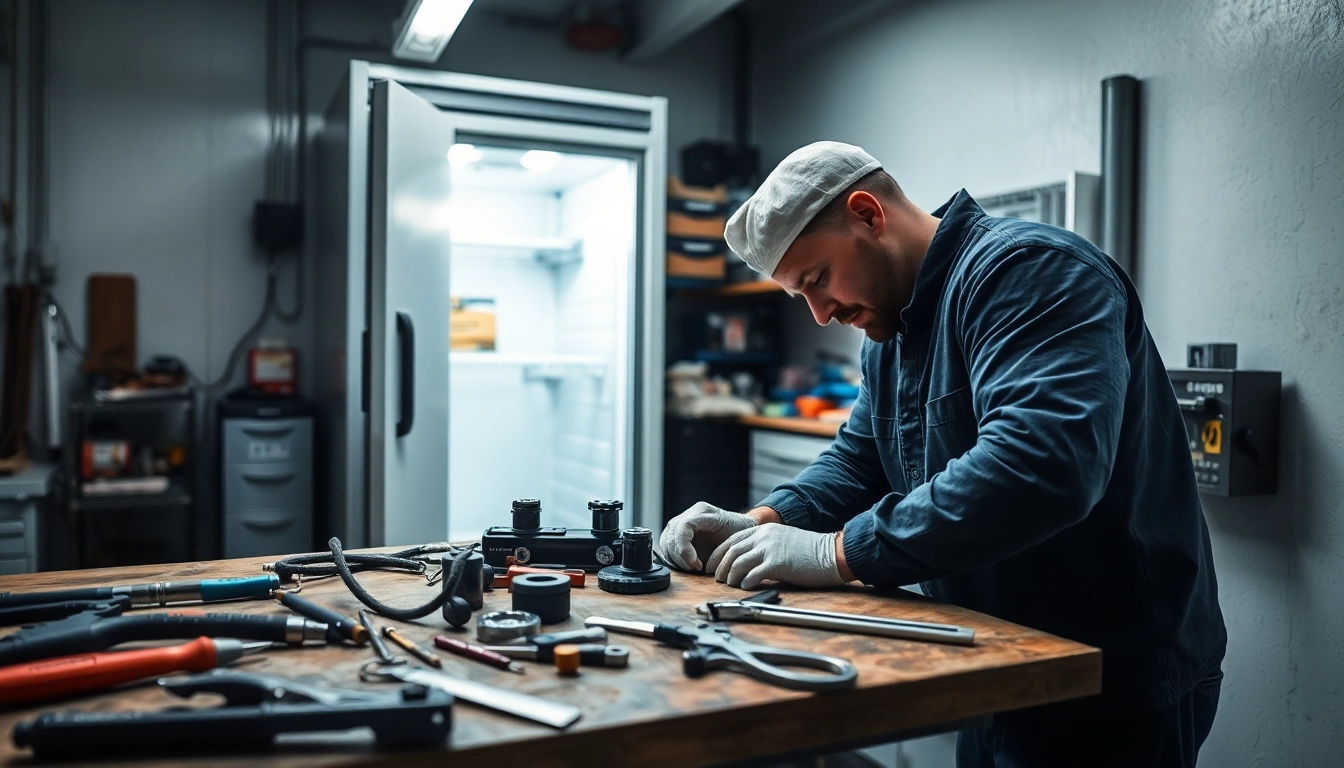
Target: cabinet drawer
{"points": [[11, 567], [268, 532], [13, 539], [255, 441], [267, 486]]}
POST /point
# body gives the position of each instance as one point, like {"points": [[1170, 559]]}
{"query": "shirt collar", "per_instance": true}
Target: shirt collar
{"points": [[958, 215]]}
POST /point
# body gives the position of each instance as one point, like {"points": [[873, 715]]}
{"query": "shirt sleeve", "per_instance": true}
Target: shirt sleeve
{"points": [[1043, 336], [846, 479]]}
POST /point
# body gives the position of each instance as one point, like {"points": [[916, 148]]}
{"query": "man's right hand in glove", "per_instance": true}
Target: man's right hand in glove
{"points": [[690, 538]]}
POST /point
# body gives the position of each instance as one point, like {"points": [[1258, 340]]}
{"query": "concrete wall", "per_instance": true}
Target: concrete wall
{"points": [[1240, 240]]}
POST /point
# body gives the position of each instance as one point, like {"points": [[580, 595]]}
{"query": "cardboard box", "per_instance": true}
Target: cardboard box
{"points": [[471, 324], [700, 267]]}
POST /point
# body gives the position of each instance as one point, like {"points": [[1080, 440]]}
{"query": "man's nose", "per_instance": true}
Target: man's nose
{"points": [[822, 309]]}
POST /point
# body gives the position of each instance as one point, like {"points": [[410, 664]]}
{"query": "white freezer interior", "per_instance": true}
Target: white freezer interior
{"points": [[545, 415]]}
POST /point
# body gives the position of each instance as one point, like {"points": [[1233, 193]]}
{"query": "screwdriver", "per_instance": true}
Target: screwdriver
{"points": [[158, 593], [65, 675]]}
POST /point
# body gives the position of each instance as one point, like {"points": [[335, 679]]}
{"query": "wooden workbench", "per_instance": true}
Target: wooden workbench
{"points": [[649, 714]]}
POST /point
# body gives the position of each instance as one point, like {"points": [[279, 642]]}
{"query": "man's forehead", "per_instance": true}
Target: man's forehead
{"points": [[805, 255]]}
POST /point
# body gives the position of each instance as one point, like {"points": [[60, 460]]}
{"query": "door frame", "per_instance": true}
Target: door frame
{"points": [[553, 113]]}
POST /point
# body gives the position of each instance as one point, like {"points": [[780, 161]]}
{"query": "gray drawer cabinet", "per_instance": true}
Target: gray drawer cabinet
{"points": [[778, 457], [22, 497], [267, 478]]}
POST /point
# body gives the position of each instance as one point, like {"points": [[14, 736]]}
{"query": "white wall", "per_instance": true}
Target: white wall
{"points": [[1240, 240]]}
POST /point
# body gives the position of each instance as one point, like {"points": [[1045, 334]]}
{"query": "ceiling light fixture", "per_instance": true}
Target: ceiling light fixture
{"points": [[539, 160], [463, 154], [426, 27]]}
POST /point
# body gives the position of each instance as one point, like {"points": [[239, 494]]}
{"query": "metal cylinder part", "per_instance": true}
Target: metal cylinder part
{"points": [[526, 514], [606, 515], [637, 550], [472, 586], [545, 594], [503, 626]]}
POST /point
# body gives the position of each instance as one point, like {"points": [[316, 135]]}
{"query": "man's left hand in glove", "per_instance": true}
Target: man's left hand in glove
{"points": [[779, 552]]}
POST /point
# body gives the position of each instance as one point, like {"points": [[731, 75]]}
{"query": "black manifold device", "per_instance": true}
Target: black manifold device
{"points": [[528, 543]]}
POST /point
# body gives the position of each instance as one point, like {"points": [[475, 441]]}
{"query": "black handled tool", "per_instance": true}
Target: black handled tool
{"points": [[102, 627], [573, 637], [338, 627], [590, 654], [257, 709]]}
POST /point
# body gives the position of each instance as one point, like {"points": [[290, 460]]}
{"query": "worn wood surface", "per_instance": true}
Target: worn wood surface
{"points": [[649, 714]]}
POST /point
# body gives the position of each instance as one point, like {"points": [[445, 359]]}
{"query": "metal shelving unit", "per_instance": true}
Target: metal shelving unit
{"points": [[149, 527]]}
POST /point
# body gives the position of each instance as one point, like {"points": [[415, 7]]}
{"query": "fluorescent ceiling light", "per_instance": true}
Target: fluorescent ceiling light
{"points": [[463, 154], [539, 160], [426, 27]]}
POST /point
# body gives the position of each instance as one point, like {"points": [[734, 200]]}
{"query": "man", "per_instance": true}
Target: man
{"points": [[1016, 448]]}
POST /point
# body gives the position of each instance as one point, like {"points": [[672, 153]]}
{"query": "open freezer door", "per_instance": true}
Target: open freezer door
{"points": [[408, 319]]}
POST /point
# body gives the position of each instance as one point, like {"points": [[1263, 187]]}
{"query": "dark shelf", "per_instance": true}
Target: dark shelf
{"points": [[761, 358], [175, 496]]}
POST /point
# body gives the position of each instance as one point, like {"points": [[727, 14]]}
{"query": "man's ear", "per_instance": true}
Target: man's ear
{"points": [[868, 211]]}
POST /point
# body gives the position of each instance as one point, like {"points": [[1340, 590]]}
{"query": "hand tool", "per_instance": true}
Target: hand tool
{"points": [[758, 611], [637, 574], [101, 627], [577, 576], [158, 593], [385, 657], [522, 705], [478, 653], [502, 626], [544, 643], [709, 648], [590, 654], [338, 627], [423, 654], [545, 594], [257, 709], [67, 675]]}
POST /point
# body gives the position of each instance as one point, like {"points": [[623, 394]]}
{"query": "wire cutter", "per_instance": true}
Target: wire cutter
{"points": [[710, 648], [257, 710]]}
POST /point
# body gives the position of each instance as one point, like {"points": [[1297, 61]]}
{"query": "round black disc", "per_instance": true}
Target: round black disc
{"points": [[621, 582]]}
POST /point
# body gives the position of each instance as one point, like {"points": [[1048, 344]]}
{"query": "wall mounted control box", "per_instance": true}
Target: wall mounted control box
{"points": [[528, 543], [1232, 421]]}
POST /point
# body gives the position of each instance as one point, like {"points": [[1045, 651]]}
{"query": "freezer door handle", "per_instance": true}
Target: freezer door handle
{"points": [[406, 336]]}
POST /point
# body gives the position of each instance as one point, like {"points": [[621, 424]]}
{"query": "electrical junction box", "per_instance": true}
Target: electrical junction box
{"points": [[1232, 421]]}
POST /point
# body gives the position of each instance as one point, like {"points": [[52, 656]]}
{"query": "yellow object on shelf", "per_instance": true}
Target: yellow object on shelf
{"points": [[471, 324]]}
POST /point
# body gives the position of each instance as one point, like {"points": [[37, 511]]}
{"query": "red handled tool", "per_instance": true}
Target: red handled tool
{"points": [[66, 675]]}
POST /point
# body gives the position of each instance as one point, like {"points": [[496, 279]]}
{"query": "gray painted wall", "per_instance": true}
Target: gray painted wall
{"points": [[1241, 240]]}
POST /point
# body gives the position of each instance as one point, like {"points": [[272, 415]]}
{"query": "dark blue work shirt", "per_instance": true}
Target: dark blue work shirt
{"points": [[1019, 451]]}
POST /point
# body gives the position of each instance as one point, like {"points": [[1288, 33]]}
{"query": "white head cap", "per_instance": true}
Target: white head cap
{"points": [[799, 187]]}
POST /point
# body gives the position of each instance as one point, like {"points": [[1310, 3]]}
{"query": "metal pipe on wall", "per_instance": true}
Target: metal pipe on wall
{"points": [[1119, 168]]}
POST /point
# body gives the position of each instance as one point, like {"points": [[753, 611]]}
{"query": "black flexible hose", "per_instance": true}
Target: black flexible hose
{"points": [[450, 583]]}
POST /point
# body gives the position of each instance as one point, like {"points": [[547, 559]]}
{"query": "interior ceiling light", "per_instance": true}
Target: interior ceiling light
{"points": [[463, 154], [426, 27], [539, 160]]}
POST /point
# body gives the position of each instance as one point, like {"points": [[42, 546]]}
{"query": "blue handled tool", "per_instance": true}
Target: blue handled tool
{"points": [[155, 594]]}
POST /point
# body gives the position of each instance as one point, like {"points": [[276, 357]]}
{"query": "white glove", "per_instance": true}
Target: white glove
{"points": [[690, 537], [779, 552]]}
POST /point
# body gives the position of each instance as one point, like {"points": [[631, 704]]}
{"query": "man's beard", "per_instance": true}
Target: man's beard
{"points": [[883, 307]]}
